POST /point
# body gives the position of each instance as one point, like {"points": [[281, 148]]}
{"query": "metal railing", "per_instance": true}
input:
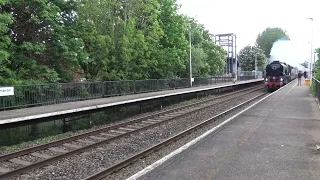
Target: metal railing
{"points": [[250, 73], [45, 94], [316, 84]]}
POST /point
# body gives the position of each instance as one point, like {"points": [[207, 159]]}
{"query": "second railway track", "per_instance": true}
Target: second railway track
{"points": [[132, 159], [104, 135]]}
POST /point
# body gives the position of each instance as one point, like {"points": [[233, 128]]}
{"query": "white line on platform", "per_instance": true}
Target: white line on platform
{"points": [[44, 115], [194, 141]]}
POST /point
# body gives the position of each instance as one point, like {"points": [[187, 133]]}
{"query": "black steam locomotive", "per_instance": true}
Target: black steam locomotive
{"points": [[279, 74]]}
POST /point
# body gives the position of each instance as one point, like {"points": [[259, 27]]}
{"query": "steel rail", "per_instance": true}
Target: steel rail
{"points": [[132, 159], [112, 127]]}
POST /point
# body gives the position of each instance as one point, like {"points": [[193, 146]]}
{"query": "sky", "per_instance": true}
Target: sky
{"points": [[248, 18]]}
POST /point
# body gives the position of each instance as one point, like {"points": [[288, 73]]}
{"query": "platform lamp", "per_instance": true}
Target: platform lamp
{"points": [[315, 58], [190, 54], [311, 53], [190, 57]]}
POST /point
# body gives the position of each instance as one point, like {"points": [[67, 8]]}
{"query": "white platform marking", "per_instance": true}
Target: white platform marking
{"points": [[194, 141]]}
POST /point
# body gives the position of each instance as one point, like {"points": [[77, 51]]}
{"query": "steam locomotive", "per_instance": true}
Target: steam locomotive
{"points": [[278, 74]]}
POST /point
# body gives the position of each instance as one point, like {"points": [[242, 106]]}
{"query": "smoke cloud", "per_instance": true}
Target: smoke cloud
{"points": [[289, 52]]}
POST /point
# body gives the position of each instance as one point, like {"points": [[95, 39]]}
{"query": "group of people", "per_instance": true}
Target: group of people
{"points": [[300, 75]]}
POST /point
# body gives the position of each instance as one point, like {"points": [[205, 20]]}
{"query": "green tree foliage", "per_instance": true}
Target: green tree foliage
{"points": [[51, 41], [317, 65], [316, 70], [6, 74], [42, 38], [207, 57], [266, 39], [247, 58]]}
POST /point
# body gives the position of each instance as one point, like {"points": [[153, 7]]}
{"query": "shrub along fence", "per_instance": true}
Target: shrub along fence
{"points": [[316, 88]]}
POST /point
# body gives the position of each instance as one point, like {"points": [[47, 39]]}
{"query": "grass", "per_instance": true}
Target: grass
{"points": [[34, 142]]}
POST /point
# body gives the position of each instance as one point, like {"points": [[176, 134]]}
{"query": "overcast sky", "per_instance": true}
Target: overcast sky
{"points": [[246, 18]]}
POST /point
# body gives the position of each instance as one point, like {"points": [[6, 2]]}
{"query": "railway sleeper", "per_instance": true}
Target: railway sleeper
{"points": [[159, 119], [85, 141], [4, 170], [73, 146], [141, 125], [21, 162], [126, 129], [133, 127], [117, 132], [108, 135], [58, 150], [147, 122], [97, 138], [154, 120], [169, 115], [43, 156]]}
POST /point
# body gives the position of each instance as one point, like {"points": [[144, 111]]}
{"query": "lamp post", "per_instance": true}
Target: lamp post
{"points": [[255, 66], [190, 58], [190, 54], [315, 56], [311, 50]]}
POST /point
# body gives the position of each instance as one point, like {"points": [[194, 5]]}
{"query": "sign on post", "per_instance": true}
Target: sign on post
{"points": [[6, 91]]}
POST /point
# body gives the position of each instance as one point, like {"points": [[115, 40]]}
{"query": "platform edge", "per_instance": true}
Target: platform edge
{"points": [[194, 141]]}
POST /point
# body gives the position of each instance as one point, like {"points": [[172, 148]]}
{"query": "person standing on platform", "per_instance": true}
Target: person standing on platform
{"points": [[305, 74], [299, 78], [234, 77]]}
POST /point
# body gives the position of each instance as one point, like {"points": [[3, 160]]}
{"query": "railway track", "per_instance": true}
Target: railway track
{"points": [[70, 146], [104, 173]]}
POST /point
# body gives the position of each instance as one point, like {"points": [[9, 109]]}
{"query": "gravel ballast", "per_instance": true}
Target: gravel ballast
{"points": [[90, 162], [69, 134], [143, 163]]}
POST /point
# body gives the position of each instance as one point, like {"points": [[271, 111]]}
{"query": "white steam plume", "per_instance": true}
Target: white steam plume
{"points": [[289, 52]]}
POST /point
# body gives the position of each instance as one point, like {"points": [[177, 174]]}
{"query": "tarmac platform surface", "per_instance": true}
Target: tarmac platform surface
{"points": [[24, 114], [276, 139]]}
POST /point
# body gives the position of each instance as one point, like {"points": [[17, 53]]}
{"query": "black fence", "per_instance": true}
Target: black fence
{"points": [[317, 89], [45, 94]]}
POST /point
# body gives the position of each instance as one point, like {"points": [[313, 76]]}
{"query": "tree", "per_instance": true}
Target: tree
{"points": [[247, 58], [317, 65], [54, 41], [6, 74], [208, 59], [269, 36], [43, 47], [173, 52]]}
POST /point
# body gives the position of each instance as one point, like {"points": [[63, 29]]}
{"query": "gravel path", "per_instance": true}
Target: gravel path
{"points": [[82, 165]]}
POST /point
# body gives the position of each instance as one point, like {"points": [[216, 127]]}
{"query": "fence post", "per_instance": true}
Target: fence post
{"points": [[317, 90], [103, 88], [175, 83], [157, 84], [134, 86], [90, 120], [55, 93]]}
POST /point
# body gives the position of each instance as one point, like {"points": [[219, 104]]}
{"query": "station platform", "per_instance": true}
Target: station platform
{"points": [[20, 115], [275, 139]]}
